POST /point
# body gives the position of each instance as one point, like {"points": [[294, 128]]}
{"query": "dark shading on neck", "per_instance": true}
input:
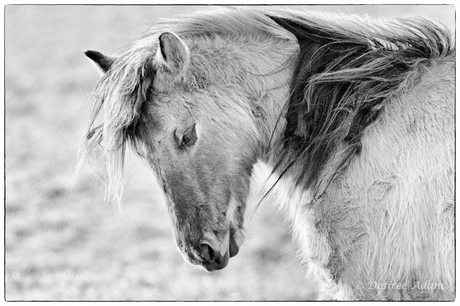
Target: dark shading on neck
{"points": [[338, 88]]}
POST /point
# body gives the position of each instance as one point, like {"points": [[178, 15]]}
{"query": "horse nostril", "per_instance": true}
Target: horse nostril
{"points": [[207, 253]]}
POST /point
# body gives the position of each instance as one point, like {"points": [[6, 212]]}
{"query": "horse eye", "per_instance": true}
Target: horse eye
{"points": [[185, 138]]}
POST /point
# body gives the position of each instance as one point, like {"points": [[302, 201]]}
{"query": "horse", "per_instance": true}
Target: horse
{"points": [[346, 122]]}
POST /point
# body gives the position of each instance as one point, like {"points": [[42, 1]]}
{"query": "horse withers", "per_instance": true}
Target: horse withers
{"points": [[347, 123]]}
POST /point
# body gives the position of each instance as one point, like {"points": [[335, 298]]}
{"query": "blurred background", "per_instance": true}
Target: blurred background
{"points": [[66, 243]]}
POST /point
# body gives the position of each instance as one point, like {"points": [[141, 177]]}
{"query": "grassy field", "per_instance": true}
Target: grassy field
{"points": [[66, 243]]}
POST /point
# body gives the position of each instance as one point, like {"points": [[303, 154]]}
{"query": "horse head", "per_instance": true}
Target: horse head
{"points": [[199, 139]]}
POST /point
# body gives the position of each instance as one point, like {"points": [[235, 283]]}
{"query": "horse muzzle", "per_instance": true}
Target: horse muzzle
{"points": [[211, 259]]}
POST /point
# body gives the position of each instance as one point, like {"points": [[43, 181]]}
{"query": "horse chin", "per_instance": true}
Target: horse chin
{"points": [[233, 246], [235, 240]]}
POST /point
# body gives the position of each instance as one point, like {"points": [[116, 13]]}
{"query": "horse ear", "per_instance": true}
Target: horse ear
{"points": [[173, 58], [102, 61]]}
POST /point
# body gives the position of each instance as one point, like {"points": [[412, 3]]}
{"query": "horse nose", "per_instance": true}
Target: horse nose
{"points": [[207, 253], [212, 260]]}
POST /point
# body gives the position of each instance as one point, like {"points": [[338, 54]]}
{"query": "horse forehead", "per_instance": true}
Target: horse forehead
{"points": [[167, 107]]}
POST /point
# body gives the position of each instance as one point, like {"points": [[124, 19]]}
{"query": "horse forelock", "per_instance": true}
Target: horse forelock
{"points": [[116, 110]]}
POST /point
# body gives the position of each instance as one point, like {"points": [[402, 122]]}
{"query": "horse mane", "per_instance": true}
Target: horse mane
{"points": [[346, 68]]}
